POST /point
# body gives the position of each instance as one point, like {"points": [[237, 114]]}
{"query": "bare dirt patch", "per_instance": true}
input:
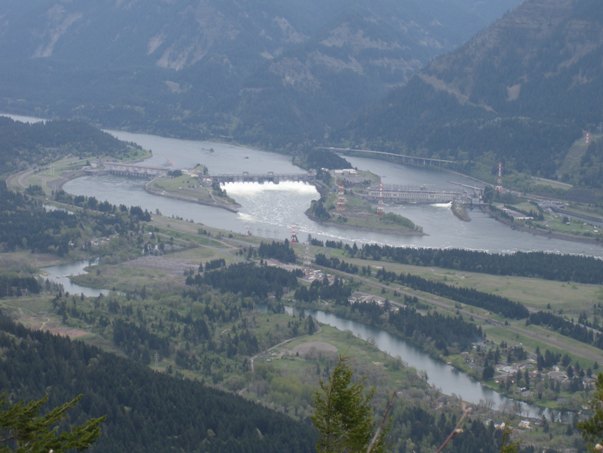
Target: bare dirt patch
{"points": [[50, 326], [312, 349], [169, 265], [67, 332]]}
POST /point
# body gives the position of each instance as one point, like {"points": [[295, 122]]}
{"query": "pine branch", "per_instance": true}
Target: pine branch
{"points": [[378, 437], [456, 431]]}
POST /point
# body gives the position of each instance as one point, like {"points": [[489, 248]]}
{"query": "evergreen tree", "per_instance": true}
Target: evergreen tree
{"points": [[343, 415], [592, 428], [23, 429]]}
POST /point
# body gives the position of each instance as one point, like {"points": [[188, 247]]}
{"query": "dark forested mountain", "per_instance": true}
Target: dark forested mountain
{"points": [[522, 90], [269, 71], [146, 411]]}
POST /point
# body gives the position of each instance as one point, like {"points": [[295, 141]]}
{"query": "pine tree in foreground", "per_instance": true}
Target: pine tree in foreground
{"points": [[343, 415], [24, 430], [592, 428]]}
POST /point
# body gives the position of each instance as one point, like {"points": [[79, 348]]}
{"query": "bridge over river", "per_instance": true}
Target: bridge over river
{"points": [[416, 161], [411, 194], [420, 194]]}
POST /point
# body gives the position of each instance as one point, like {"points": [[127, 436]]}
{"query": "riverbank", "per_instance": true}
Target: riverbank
{"points": [[537, 231], [439, 373]]}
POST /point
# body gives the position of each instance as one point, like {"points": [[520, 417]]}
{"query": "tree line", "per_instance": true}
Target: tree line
{"points": [[321, 158], [491, 302], [567, 328], [337, 291], [445, 333], [247, 279], [13, 285], [550, 266], [281, 251], [136, 213], [469, 296]]}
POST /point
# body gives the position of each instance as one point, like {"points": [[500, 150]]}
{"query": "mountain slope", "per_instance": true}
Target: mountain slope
{"points": [[522, 90], [145, 410], [268, 71]]}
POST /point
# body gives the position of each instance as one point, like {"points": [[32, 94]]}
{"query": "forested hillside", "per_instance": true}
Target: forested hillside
{"points": [[26, 225], [22, 144], [146, 411], [521, 91], [272, 72]]}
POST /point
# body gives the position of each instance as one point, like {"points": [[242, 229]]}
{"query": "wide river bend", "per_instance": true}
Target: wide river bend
{"points": [[275, 210]]}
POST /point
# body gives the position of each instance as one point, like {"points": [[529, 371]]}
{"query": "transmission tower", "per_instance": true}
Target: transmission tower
{"points": [[499, 180], [380, 204], [294, 239], [340, 206], [307, 259]]}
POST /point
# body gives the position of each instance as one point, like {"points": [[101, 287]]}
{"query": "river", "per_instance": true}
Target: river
{"points": [[275, 210], [61, 274], [443, 377]]}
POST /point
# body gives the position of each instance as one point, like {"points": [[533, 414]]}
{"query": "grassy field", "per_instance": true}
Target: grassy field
{"points": [[564, 224], [358, 213], [189, 188], [524, 206], [553, 341], [572, 298], [46, 177], [296, 367], [27, 262], [184, 186], [164, 271]]}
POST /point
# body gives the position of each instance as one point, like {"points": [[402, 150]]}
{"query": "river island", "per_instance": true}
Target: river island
{"points": [[194, 186], [344, 203]]}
